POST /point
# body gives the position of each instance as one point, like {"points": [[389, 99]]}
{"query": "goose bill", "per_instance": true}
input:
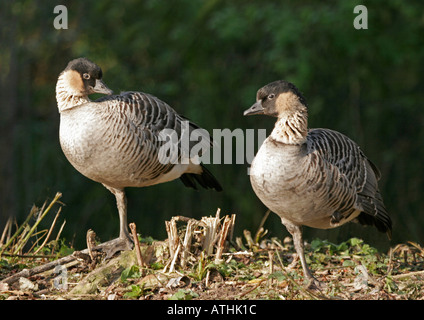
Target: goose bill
{"points": [[255, 109], [101, 87]]}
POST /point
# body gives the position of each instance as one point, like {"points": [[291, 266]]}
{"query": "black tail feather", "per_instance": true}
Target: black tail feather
{"points": [[205, 179], [188, 180], [375, 214]]}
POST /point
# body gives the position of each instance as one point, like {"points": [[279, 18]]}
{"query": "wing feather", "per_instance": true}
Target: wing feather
{"points": [[355, 178], [142, 118]]}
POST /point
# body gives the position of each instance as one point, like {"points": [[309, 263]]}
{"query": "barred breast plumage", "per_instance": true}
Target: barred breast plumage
{"points": [[318, 178]]}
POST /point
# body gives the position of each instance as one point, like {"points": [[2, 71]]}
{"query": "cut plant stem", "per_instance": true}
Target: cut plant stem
{"points": [[171, 268], [210, 232], [191, 225], [137, 245], [173, 239], [248, 237], [90, 239], [261, 225], [221, 243]]}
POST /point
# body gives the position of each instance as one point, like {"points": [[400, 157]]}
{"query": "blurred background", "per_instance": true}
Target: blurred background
{"points": [[207, 59]]}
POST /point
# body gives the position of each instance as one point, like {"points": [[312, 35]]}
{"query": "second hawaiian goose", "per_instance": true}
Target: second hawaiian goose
{"points": [[317, 178], [116, 140]]}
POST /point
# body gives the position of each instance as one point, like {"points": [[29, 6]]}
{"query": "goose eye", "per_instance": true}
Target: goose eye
{"points": [[86, 76], [271, 96]]}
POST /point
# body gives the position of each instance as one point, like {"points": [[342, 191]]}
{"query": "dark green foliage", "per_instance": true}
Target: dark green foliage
{"points": [[207, 59]]}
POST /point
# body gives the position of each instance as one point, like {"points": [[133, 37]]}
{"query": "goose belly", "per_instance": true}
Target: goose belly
{"points": [[96, 154], [280, 181]]}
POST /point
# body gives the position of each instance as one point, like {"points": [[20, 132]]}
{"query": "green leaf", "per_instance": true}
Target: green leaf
{"points": [[348, 263], [355, 242], [280, 276], [183, 294], [131, 272], [316, 244], [157, 265], [135, 292]]}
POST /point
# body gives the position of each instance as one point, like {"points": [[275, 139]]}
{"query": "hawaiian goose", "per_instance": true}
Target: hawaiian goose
{"points": [[116, 140], [318, 177]]}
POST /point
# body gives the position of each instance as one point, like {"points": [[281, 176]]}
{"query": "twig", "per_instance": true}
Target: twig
{"points": [[137, 245], [36, 270], [249, 291], [409, 274], [30, 272], [239, 253], [29, 256]]}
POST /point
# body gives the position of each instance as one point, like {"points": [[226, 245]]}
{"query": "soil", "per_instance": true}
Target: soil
{"points": [[262, 271]]}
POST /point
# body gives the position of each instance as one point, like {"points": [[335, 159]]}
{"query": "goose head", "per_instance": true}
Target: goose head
{"points": [[278, 99]]}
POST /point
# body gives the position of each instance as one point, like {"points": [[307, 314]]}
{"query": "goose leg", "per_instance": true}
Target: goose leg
{"points": [[296, 232], [121, 203], [124, 241]]}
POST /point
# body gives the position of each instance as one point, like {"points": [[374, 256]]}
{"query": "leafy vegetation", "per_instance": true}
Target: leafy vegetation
{"points": [[265, 269]]}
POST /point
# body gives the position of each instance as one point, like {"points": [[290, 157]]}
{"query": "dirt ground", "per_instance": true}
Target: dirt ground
{"points": [[350, 271]]}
